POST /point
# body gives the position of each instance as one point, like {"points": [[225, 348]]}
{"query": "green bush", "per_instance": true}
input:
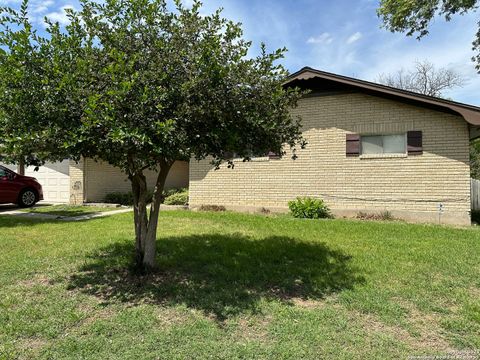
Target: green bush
{"points": [[178, 197], [119, 198], [126, 198], [309, 208]]}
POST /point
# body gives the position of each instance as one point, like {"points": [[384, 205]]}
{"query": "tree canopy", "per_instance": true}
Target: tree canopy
{"points": [[414, 17], [140, 85]]}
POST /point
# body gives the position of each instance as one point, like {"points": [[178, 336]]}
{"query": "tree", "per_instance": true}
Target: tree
{"points": [[414, 17], [37, 113], [475, 159], [424, 79], [20, 80], [142, 86]]}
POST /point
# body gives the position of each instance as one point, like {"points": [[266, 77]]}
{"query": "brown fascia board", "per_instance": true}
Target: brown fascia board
{"points": [[470, 113]]}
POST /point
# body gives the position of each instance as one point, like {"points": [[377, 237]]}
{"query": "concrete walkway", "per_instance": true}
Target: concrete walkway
{"points": [[14, 211], [62, 217]]}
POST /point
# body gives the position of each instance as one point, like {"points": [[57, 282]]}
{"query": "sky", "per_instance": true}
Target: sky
{"points": [[339, 36]]}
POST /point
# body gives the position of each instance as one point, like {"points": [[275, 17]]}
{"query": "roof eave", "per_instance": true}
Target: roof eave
{"points": [[470, 113]]}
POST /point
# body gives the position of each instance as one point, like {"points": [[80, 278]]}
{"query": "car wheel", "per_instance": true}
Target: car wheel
{"points": [[27, 198]]}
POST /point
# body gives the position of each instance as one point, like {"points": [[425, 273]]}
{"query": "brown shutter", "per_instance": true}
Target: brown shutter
{"points": [[353, 145], [273, 156], [414, 143]]}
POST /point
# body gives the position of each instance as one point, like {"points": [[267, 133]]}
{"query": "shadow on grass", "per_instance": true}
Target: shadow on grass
{"points": [[218, 274], [67, 214], [31, 220]]}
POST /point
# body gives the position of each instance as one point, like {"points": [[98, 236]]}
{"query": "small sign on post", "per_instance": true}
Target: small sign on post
{"points": [[440, 212]]}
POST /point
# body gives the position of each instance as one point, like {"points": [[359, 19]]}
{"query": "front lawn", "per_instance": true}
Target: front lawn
{"points": [[238, 286]]}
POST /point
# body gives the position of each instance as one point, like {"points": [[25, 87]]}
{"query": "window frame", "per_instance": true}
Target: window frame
{"points": [[384, 154]]}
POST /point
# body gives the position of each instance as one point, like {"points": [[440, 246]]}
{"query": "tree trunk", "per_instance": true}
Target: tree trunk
{"points": [[139, 190], [151, 238], [146, 227], [21, 167]]}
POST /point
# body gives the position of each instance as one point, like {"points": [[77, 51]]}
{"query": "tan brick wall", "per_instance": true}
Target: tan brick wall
{"points": [[99, 179], [410, 187], [76, 182]]}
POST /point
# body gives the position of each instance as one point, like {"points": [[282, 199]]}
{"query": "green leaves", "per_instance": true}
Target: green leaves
{"points": [[414, 17], [173, 84], [134, 79]]}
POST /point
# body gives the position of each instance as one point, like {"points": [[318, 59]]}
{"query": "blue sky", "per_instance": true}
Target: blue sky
{"points": [[341, 36]]}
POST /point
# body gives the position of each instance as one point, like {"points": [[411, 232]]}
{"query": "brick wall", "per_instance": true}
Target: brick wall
{"points": [[99, 179], [410, 187], [76, 182]]}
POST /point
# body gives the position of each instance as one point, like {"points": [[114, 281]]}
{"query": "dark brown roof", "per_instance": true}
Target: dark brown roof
{"points": [[469, 112]]}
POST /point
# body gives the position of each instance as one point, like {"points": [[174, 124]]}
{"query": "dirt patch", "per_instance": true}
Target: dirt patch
{"points": [[30, 346], [474, 292], [171, 317], [252, 329], [427, 326], [308, 303], [93, 313], [35, 280]]}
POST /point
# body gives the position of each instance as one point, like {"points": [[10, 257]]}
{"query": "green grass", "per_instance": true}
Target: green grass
{"points": [[69, 210], [236, 286]]}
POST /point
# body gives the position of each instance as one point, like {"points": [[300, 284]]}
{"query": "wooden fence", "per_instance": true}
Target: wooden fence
{"points": [[475, 194]]}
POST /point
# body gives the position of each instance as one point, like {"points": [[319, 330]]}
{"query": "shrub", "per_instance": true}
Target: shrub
{"points": [[309, 208], [126, 198], [119, 198], [178, 197], [172, 191], [212, 208], [384, 215]]}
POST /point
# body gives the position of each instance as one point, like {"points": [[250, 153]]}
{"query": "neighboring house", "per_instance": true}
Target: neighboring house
{"points": [[371, 148], [90, 181]]}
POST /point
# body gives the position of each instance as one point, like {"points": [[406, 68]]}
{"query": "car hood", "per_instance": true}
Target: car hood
{"points": [[23, 177]]}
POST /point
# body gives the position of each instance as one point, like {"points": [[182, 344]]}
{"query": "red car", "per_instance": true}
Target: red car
{"points": [[18, 189]]}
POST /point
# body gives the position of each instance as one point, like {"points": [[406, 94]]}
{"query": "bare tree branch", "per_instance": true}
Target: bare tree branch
{"points": [[424, 78]]}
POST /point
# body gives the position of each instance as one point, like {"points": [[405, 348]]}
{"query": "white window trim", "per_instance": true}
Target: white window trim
{"points": [[383, 156]]}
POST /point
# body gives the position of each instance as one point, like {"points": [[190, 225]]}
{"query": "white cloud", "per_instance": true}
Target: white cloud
{"points": [[9, 2], [354, 37], [60, 16], [39, 7], [324, 38]]}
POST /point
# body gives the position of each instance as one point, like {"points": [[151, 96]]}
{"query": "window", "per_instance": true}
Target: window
{"points": [[3, 172], [384, 144]]}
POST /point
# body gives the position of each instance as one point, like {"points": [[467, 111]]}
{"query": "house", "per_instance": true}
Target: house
{"points": [[90, 181], [371, 148]]}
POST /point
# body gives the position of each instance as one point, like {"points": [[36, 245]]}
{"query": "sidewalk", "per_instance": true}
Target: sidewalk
{"points": [[21, 213], [13, 210]]}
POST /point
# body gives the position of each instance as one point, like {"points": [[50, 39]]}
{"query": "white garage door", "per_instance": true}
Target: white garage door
{"points": [[55, 180]]}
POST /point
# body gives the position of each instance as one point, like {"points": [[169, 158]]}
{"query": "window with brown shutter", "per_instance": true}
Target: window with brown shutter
{"points": [[414, 143], [353, 145], [273, 156]]}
